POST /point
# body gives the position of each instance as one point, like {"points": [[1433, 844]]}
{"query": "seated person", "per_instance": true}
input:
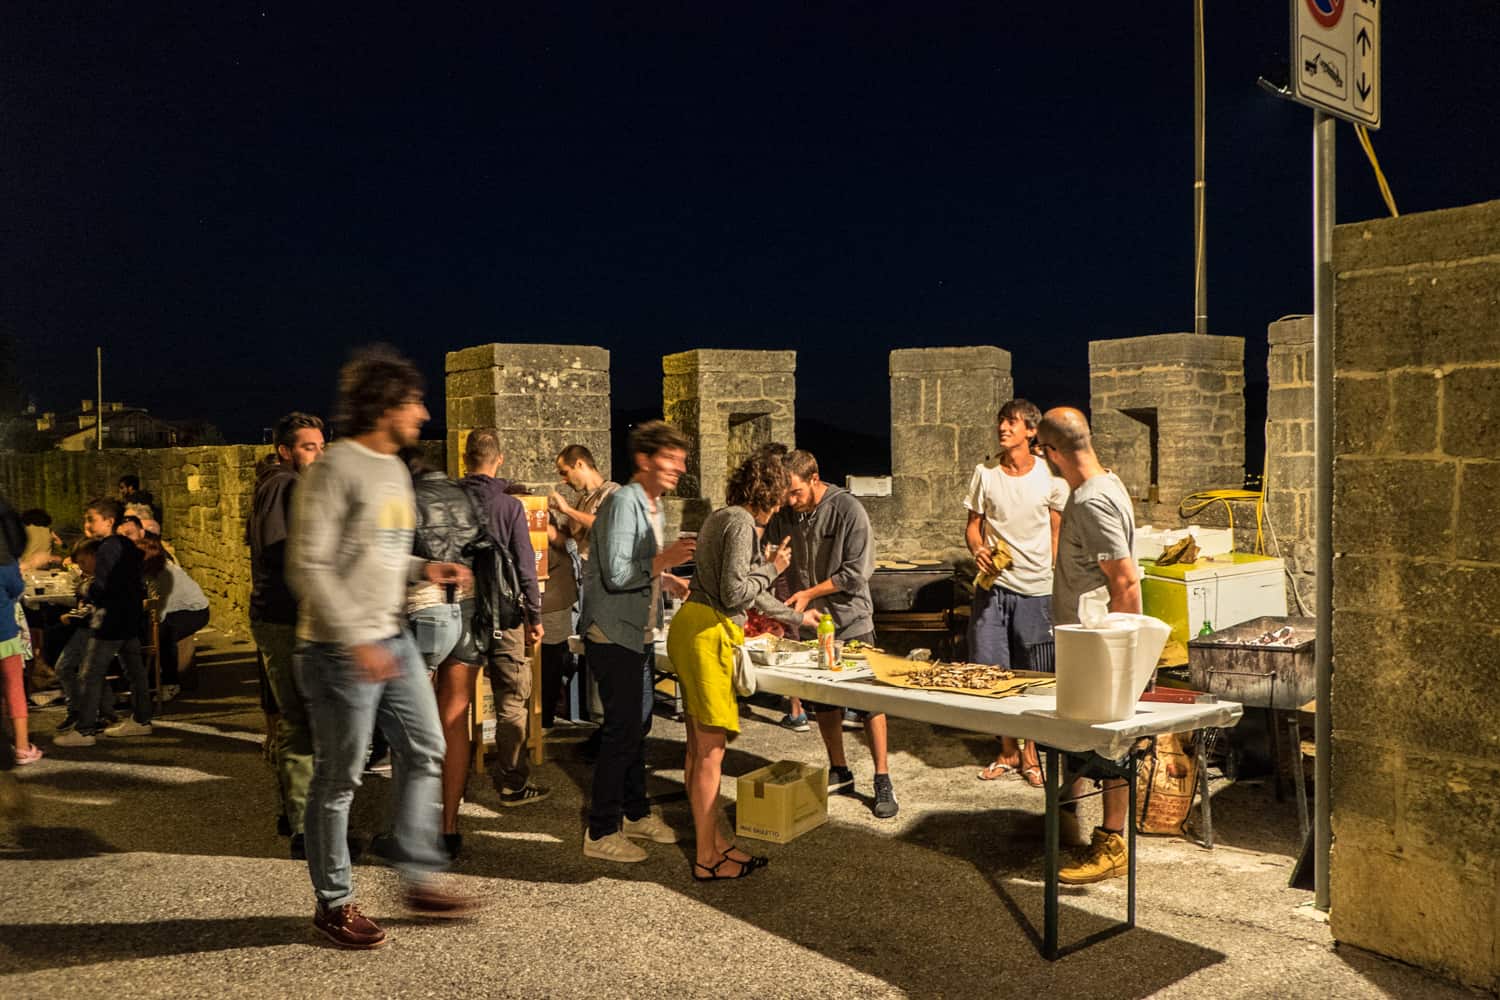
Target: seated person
{"points": [[71, 636], [180, 604], [41, 541]]}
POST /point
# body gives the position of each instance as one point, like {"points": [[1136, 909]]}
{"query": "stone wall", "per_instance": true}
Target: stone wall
{"points": [[943, 406], [204, 494], [539, 397], [1168, 416], [1290, 476], [728, 403], [1416, 741]]}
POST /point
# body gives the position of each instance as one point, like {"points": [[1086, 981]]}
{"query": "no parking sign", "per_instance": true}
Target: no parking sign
{"points": [[1336, 57]]}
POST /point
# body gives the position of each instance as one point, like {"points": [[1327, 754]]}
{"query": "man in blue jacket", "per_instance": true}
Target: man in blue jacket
{"points": [[623, 581]]}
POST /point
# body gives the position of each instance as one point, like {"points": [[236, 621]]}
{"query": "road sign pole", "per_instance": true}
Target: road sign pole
{"points": [[1323, 214]]}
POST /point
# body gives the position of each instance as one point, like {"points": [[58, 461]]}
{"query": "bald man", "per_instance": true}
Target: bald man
{"points": [[1094, 549]]}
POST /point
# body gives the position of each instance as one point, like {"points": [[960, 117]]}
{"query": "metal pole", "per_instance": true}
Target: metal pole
{"points": [[1323, 214], [1200, 182], [98, 399]]}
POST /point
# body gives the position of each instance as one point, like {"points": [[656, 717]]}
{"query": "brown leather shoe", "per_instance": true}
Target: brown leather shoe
{"points": [[428, 899], [346, 927]]}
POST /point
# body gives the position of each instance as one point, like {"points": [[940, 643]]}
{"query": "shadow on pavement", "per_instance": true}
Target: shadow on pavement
{"points": [[34, 947]]}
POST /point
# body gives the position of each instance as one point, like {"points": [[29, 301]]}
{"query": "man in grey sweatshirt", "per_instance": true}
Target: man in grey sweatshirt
{"points": [[349, 558]]}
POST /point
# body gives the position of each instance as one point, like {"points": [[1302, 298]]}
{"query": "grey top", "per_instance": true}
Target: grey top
{"points": [[1098, 525], [833, 542], [731, 573], [349, 553]]}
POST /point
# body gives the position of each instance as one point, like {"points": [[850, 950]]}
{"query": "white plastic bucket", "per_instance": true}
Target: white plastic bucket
{"points": [[1101, 672]]}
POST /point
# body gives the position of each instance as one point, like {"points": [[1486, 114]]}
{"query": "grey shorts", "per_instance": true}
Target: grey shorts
{"points": [[443, 632]]}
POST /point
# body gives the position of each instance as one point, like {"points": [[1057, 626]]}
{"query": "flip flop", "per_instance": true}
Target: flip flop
{"points": [[996, 771], [1033, 777]]}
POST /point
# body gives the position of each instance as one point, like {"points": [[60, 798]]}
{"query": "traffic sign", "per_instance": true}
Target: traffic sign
{"points": [[1336, 57]]}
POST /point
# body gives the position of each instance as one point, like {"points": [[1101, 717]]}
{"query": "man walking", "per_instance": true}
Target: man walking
{"points": [[273, 611], [833, 557], [504, 517], [1095, 549], [1014, 506], [349, 560]]}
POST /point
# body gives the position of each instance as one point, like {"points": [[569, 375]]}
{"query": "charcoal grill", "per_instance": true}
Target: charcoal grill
{"points": [[916, 601]]}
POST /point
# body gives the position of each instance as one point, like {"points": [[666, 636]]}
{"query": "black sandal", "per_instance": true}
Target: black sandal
{"points": [[752, 861], [713, 870]]}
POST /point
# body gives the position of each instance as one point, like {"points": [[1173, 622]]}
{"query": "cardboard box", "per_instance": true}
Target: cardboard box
{"points": [[781, 801]]}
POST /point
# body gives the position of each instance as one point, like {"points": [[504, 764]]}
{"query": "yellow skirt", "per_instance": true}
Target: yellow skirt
{"points": [[701, 644]]}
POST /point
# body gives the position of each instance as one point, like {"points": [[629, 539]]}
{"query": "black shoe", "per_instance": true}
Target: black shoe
{"points": [[299, 847], [885, 797], [70, 721], [453, 843], [525, 795], [283, 826], [383, 846], [840, 779]]}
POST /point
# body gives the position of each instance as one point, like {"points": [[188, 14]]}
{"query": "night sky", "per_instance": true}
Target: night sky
{"points": [[230, 196]]}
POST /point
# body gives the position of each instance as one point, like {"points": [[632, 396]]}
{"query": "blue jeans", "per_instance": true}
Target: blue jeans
{"points": [[97, 657], [68, 662], [343, 709], [1011, 630]]}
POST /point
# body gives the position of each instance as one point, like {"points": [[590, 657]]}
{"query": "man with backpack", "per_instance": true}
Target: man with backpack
{"points": [[504, 519]]}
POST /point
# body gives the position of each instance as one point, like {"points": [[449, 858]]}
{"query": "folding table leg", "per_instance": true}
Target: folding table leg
{"points": [[1299, 777], [1130, 845], [1049, 912], [1203, 796]]}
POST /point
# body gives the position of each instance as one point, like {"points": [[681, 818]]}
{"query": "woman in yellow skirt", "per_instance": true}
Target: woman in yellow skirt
{"points": [[732, 575]]}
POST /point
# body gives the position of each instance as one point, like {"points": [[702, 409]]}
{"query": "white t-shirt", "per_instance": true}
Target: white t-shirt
{"points": [[1017, 509]]}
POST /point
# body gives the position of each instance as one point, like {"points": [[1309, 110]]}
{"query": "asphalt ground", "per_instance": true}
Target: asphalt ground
{"points": [[151, 867]]}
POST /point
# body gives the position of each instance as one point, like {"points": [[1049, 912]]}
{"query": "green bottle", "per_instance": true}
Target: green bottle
{"points": [[1207, 629], [826, 629]]}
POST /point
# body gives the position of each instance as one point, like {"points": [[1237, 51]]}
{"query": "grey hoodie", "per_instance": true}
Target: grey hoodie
{"points": [[834, 542]]}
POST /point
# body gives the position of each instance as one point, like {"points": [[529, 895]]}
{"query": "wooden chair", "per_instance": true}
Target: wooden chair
{"points": [[151, 654]]}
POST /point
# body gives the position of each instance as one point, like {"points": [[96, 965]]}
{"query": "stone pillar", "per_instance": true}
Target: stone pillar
{"points": [[1416, 590], [728, 403], [943, 406], [1168, 415], [539, 397], [1289, 477]]}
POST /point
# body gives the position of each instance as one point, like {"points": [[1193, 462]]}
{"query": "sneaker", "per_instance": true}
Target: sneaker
{"points": [[383, 846], [796, 723], [615, 847], [30, 755], [74, 738], [840, 779], [1106, 857], [128, 727], [453, 843], [428, 898], [885, 797], [381, 766], [69, 722], [170, 691], [853, 719], [524, 795], [346, 927], [649, 827], [283, 825], [41, 699], [298, 848]]}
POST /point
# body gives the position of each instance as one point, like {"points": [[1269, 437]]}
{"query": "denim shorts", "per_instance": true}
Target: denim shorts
{"points": [[444, 632]]}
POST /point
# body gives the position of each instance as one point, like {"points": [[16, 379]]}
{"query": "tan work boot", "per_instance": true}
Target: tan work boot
{"points": [[1106, 857]]}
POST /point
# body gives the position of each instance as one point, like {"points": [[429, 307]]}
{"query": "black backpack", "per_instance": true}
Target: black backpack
{"points": [[498, 593]]}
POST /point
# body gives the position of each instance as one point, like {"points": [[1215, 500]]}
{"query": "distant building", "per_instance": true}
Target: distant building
{"points": [[124, 427]]}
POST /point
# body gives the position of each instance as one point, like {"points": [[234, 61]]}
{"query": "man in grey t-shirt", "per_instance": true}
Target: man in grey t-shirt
{"points": [[1093, 550]]}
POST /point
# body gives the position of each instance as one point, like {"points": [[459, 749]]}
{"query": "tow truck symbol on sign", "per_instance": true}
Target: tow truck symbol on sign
{"points": [[1315, 62]]}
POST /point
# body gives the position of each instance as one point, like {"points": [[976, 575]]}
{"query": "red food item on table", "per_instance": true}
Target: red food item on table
{"points": [[759, 624]]}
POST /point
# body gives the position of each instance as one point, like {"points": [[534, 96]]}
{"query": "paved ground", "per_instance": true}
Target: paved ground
{"points": [[152, 869]]}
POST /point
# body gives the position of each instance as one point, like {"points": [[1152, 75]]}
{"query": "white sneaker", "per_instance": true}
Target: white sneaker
{"points": [[129, 727], [73, 738], [650, 827], [612, 848]]}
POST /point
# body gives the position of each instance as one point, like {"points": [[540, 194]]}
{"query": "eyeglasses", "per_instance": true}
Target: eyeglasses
{"points": [[1047, 447]]}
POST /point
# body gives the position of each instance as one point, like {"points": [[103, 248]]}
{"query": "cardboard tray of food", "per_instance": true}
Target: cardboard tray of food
{"points": [[961, 678]]}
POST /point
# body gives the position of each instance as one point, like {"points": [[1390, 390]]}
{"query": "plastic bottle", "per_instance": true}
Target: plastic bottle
{"points": [[1207, 629], [826, 629]]}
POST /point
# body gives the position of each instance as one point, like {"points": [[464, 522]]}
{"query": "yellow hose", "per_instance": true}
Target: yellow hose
{"points": [[1195, 503]]}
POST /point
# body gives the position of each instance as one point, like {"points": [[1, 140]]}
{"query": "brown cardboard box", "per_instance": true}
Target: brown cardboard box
{"points": [[782, 801]]}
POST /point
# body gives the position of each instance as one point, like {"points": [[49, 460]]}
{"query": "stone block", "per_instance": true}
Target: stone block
{"points": [[909, 402], [1394, 505], [949, 359], [972, 401], [1429, 914], [1451, 809], [1479, 512], [1367, 779], [913, 498], [923, 448], [704, 361], [472, 382], [540, 357], [1423, 316], [1451, 234], [1168, 348], [1471, 412], [1290, 331]]}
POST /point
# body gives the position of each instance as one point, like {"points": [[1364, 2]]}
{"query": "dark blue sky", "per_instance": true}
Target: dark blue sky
{"points": [[228, 197]]}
